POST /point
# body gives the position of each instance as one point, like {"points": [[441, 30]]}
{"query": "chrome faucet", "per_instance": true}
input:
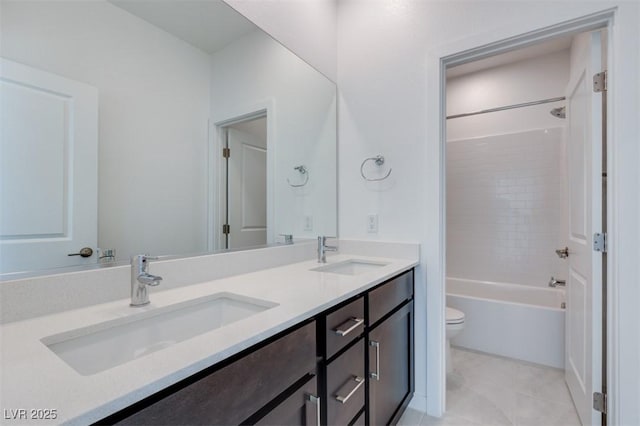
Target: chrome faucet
{"points": [[323, 248], [141, 278], [557, 283], [288, 238]]}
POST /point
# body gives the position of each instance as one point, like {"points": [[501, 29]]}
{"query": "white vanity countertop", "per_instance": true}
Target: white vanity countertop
{"points": [[33, 377]]}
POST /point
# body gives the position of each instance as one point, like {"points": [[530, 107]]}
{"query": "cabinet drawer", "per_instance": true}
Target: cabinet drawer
{"points": [[345, 385], [344, 325], [235, 392], [359, 421], [301, 408], [383, 299]]}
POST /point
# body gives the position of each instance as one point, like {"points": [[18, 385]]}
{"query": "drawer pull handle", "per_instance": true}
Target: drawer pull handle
{"points": [[359, 381], [342, 329], [315, 400], [376, 345]]}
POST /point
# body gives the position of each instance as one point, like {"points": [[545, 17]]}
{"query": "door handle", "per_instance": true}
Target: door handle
{"points": [[344, 329], [563, 253], [84, 252], [553, 282], [359, 381], [376, 375], [315, 400]]}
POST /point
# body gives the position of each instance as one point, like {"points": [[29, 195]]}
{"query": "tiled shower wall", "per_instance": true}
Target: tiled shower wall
{"points": [[506, 211]]}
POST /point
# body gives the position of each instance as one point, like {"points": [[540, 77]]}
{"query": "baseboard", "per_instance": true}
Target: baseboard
{"points": [[418, 402]]}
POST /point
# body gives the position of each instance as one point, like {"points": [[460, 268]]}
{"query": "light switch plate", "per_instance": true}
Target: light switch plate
{"points": [[372, 223], [308, 223]]}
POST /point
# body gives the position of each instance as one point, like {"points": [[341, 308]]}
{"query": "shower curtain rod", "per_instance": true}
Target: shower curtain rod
{"points": [[502, 108]]}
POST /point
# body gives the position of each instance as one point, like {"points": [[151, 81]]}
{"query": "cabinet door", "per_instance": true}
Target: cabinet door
{"points": [[237, 391], [301, 408], [391, 363]]}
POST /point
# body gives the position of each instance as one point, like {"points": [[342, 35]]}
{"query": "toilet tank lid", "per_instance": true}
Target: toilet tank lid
{"points": [[454, 315]]}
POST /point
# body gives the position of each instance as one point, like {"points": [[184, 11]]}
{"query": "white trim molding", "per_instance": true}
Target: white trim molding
{"points": [[215, 189], [622, 187]]}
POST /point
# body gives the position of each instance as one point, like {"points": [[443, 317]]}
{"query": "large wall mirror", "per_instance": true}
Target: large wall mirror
{"points": [[164, 127]]}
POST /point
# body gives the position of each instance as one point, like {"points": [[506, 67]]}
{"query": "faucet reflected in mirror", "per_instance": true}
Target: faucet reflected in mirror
{"points": [[165, 94], [141, 278]]}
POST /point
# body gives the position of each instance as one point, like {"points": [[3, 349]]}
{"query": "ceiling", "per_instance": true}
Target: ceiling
{"points": [[554, 45], [208, 25]]}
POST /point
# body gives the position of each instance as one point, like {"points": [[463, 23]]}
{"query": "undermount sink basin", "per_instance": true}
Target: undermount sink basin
{"points": [[99, 347], [351, 267]]}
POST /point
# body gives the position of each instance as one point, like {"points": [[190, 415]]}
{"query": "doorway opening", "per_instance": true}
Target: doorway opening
{"points": [[243, 183], [525, 188]]}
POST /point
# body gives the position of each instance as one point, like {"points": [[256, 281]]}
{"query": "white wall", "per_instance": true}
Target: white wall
{"points": [[153, 94], [506, 174], [389, 78], [307, 27], [302, 126]]}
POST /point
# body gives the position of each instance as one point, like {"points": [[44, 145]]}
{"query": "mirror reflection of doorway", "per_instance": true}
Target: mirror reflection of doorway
{"points": [[245, 186]]}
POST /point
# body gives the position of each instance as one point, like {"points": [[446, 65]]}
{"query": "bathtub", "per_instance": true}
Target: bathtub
{"points": [[515, 321]]}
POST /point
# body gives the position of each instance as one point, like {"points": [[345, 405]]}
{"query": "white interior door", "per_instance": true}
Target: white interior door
{"points": [[583, 360], [48, 169], [247, 187]]}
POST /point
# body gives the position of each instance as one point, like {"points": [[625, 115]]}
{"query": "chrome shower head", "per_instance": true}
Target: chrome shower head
{"points": [[560, 112]]}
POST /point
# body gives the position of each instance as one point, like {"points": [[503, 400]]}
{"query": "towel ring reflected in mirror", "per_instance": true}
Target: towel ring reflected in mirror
{"points": [[302, 169], [379, 161]]}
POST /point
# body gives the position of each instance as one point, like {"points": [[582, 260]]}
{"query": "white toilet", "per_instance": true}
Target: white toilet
{"points": [[455, 324]]}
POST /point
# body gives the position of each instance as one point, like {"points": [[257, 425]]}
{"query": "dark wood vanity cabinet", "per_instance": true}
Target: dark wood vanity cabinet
{"points": [[350, 365], [380, 396]]}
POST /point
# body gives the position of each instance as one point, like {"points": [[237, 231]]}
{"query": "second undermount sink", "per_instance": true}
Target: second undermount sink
{"points": [[99, 347], [351, 267]]}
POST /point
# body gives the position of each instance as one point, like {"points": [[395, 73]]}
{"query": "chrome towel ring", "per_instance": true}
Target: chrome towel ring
{"points": [[304, 172], [379, 160]]}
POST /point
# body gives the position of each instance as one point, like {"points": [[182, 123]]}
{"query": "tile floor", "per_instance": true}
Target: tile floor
{"points": [[491, 390]]}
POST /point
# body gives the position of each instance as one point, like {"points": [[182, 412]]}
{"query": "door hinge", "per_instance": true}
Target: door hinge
{"points": [[600, 242], [226, 229], [600, 82], [600, 402], [226, 152]]}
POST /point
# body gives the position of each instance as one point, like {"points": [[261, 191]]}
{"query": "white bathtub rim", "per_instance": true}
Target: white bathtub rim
{"points": [[503, 284], [505, 302], [550, 291]]}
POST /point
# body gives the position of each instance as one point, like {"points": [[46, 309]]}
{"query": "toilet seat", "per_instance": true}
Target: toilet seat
{"points": [[454, 316]]}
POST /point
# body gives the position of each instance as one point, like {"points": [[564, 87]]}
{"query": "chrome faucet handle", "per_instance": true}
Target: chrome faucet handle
{"points": [[322, 240], [326, 237], [143, 257], [148, 279], [288, 238], [140, 263], [141, 278]]}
